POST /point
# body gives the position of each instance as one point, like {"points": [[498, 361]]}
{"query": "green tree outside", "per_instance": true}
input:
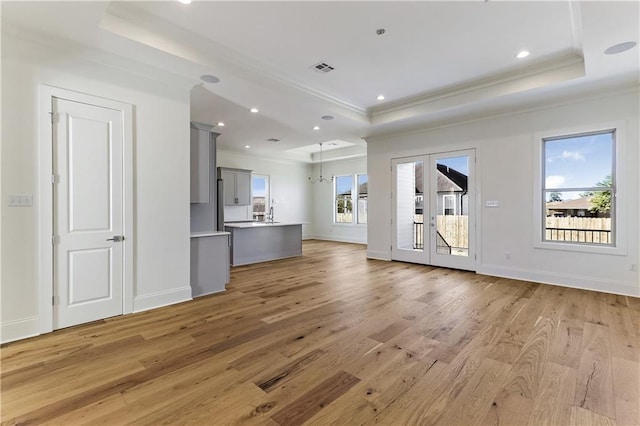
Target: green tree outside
{"points": [[601, 200], [555, 196]]}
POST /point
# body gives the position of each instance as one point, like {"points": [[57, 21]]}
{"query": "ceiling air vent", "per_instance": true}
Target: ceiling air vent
{"points": [[322, 67]]}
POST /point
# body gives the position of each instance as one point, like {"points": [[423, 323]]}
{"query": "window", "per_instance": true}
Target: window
{"points": [[260, 196], [578, 189], [363, 190], [346, 209], [343, 199], [449, 205]]}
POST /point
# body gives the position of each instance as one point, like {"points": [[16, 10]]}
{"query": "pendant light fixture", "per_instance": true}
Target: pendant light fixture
{"points": [[321, 178]]}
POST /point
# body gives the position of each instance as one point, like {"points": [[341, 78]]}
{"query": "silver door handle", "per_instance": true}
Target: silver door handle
{"points": [[116, 238]]}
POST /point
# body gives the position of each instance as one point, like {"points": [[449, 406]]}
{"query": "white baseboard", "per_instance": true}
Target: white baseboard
{"points": [[19, 329], [161, 298], [337, 239], [563, 280], [378, 255]]}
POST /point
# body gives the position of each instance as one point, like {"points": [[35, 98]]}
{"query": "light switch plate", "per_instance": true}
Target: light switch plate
{"points": [[20, 200], [492, 203]]}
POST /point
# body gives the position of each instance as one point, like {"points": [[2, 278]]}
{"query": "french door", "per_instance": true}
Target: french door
{"points": [[433, 202]]}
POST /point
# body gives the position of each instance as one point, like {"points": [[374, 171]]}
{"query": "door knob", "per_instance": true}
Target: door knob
{"points": [[116, 238]]}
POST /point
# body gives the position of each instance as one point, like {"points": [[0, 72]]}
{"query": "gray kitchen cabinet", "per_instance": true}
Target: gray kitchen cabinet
{"points": [[201, 147], [204, 207], [209, 262], [237, 186]]}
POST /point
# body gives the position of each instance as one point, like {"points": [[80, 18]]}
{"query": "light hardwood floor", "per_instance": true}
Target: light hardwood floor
{"points": [[333, 338]]}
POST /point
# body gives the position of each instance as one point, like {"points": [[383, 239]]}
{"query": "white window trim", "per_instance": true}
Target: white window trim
{"points": [[356, 222], [267, 198], [620, 211], [444, 204], [335, 201], [354, 201]]}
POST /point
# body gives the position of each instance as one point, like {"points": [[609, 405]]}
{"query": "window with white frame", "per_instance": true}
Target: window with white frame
{"points": [[363, 192], [449, 205], [260, 196], [343, 199], [579, 189], [350, 198]]}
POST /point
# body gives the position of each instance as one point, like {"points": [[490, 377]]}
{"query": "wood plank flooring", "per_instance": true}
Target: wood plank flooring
{"points": [[334, 338]]}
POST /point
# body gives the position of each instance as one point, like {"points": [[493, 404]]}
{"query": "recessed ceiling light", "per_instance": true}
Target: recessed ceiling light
{"points": [[185, 1], [254, 110], [247, 146], [327, 117], [620, 47], [208, 78], [220, 124], [522, 54], [380, 97], [316, 128]]}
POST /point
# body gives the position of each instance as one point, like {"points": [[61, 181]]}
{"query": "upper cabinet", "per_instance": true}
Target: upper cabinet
{"points": [[202, 151], [236, 186]]}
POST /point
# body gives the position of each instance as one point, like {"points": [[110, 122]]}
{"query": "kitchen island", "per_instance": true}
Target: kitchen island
{"points": [[253, 242]]}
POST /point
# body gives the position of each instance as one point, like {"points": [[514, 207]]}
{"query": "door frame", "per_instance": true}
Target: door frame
{"points": [[448, 261], [45, 210], [442, 149]]}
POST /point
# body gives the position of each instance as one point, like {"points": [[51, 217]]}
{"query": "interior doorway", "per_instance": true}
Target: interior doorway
{"points": [[86, 208]]}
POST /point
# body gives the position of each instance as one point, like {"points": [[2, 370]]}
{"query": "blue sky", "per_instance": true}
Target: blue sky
{"points": [[259, 189], [460, 164], [344, 184], [578, 162]]}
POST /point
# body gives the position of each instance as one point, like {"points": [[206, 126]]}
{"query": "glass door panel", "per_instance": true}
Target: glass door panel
{"points": [[408, 204], [452, 209]]}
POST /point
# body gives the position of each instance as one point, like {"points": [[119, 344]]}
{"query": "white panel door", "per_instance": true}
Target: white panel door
{"points": [[88, 212]]}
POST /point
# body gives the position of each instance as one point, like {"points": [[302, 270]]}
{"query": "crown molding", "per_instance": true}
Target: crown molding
{"points": [[280, 157], [340, 154], [550, 71], [129, 21], [584, 95], [94, 55]]}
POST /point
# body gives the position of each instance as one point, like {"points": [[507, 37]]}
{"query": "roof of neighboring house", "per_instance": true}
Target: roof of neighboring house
{"points": [[577, 204], [449, 180]]}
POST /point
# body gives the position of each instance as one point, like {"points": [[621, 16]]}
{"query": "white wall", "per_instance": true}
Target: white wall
{"points": [[324, 227], [506, 170], [289, 187], [161, 177]]}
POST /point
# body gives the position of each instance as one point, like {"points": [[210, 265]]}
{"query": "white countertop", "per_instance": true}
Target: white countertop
{"points": [[208, 234], [258, 224]]}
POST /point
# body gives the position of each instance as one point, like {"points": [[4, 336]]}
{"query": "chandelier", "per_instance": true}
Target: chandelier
{"points": [[321, 178]]}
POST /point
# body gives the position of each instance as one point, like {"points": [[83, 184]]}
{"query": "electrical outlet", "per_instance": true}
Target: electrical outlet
{"points": [[20, 200], [634, 267], [507, 255]]}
